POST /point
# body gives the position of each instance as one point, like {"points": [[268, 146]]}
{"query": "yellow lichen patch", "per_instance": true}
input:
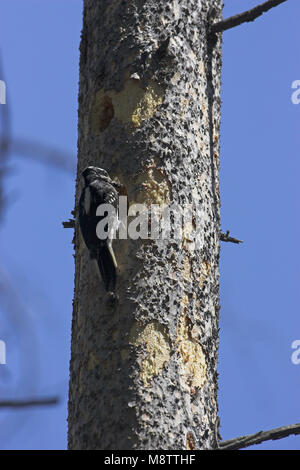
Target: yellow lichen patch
{"points": [[175, 79], [149, 100], [201, 68], [132, 105], [188, 235], [217, 188], [203, 147], [155, 188], [193, 365], [154, 338], [185, 302], [186, 272], [145, 418], [205, 272], [184, 103], [204, 109]]}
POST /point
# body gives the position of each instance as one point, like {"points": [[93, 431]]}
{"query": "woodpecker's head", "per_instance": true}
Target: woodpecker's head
{"points": [[92, 173]]}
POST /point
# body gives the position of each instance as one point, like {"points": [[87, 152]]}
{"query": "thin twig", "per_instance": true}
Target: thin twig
{"points": [[261, 436], [27, 403], [44, 154], [249, 15], [5, 132], [224, 237], [69, 224]]}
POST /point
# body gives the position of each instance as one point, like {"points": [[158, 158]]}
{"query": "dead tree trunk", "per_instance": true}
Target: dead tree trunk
{"points": [[143, 372]]}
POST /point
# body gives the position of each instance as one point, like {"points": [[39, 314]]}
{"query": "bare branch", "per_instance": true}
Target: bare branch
{"points": [[244, 17], [261, 436], [26, 148], [224, 237], [44, 154], [5, 132], [69, 224], [27, 403]]}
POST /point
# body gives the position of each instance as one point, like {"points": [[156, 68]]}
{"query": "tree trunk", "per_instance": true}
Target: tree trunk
{"points": [[143, 371]]}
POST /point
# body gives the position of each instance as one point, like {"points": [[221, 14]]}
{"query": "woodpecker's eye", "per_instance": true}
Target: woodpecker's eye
{"points": [[102, 173]]}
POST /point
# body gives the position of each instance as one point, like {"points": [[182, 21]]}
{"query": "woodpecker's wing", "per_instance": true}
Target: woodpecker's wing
{"points": [[88, 219], [107, 267], [103, 192], [92, 196], [96, 193]]}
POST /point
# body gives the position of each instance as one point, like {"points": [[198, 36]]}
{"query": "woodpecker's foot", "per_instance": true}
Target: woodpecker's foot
{"points": [[111, 299]]}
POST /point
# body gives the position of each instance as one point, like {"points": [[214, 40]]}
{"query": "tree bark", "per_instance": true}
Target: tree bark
{"points": [[143, 372]]}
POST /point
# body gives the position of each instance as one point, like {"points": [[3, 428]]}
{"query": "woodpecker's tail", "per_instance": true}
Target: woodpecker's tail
{"points": [[107, 268]]}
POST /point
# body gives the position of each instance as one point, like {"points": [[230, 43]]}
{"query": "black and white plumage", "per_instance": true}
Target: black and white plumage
{"points": [[99, 189]]}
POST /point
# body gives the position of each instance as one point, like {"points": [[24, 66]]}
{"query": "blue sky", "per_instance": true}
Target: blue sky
{"points": [[260, 192]]}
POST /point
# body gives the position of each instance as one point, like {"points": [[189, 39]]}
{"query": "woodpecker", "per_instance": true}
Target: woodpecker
{"points": [[99, 189]]}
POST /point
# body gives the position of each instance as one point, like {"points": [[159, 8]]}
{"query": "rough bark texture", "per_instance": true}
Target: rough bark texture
{"points": [[143, 373]]}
